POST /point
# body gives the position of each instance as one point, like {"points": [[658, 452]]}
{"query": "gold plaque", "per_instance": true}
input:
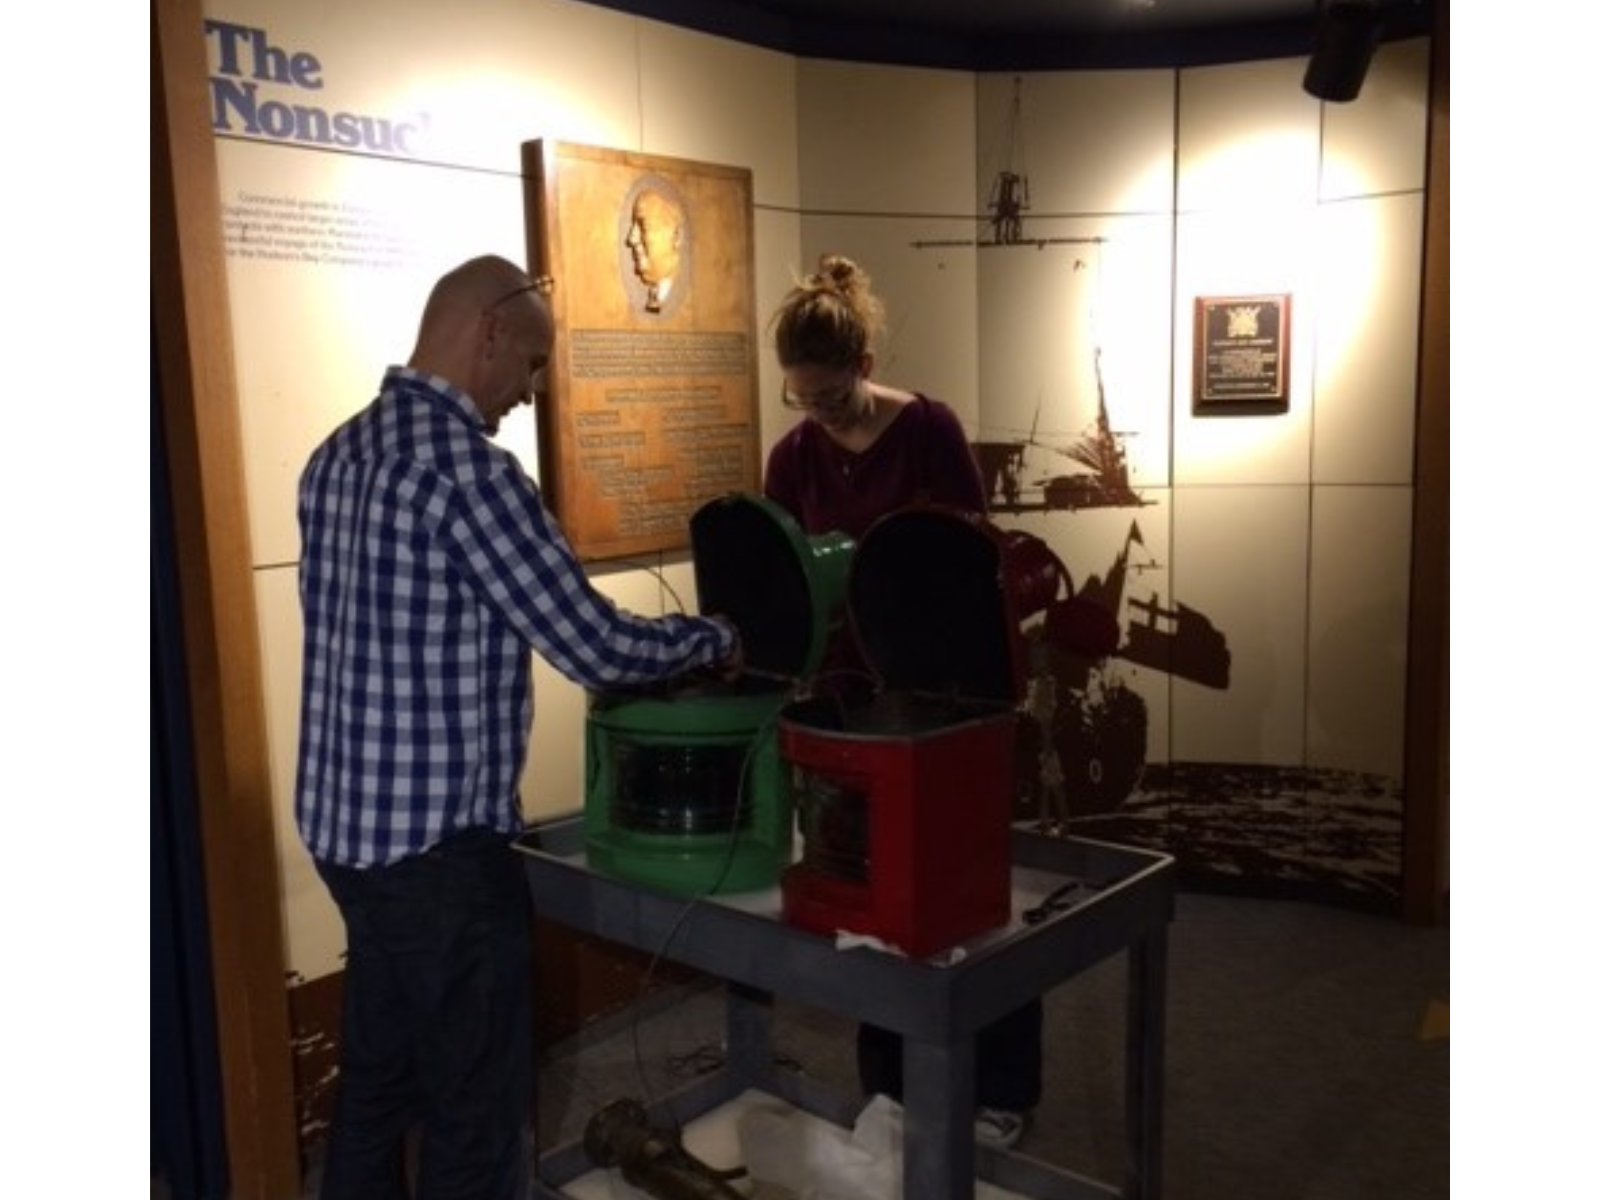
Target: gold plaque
{"points": [[649, 408]]}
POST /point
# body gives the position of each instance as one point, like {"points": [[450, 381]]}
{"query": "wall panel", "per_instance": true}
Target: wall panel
{"points": [[717, 101], [1247, 138], [885, 139], [1363, 351], [1087, 141]]}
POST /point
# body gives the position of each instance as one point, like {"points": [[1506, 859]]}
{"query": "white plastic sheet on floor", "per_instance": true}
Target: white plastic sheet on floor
{"points": [[789, 1154]]}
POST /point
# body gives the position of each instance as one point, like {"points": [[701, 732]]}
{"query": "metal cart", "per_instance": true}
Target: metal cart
{"points": [[1090, 900]]}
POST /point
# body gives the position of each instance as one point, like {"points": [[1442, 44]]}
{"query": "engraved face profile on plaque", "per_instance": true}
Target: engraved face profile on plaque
{"points": [[657, 246]]}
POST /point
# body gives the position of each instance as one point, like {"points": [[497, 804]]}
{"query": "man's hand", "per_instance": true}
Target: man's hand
{"points": [[731, 665]]}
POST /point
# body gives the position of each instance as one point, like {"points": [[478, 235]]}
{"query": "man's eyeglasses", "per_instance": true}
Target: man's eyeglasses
{"points": [[542, 284]]}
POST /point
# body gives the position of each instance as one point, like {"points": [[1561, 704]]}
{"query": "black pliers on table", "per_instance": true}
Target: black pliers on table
{"points": [[1068, 896]]}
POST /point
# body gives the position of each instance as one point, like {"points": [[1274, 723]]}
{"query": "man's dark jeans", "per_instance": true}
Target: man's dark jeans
{"points": [[437, 1027]]}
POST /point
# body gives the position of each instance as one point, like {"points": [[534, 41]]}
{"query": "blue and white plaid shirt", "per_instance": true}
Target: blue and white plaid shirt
{"points": [[429, 567]]}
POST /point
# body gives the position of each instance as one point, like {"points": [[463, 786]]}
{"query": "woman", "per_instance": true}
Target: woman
{"points": [[866, 449]]}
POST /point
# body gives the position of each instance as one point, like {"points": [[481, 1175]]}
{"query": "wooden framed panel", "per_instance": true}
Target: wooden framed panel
{"points": [[649, 404], [1241, 354]]}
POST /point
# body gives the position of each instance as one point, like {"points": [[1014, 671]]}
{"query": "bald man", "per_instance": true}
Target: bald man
{"points": [[429, 569]]}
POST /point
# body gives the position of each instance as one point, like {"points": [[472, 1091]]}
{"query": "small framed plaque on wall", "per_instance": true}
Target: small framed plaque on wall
{"points": [[1241, 354], [649, 405]]}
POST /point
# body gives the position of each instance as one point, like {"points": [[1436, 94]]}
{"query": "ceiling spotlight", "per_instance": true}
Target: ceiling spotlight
{"points": [[1347, 38]]}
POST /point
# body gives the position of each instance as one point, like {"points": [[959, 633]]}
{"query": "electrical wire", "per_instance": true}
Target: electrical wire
{"points": [[701, 1059], [757, 740], [660, 577]]}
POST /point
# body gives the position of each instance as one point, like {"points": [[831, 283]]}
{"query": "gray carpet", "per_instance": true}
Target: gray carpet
{"points": [[1307, 1057]]}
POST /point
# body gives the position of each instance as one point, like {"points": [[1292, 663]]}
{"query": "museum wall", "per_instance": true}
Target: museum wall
{"points": [[1257, 562], [1287, 533]]}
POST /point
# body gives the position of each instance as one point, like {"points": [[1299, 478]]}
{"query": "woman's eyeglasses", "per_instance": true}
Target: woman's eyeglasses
{"points": [[827, 399]]}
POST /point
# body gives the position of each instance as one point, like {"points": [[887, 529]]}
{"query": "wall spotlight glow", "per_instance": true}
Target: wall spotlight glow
{"points": [[1347, 38]]}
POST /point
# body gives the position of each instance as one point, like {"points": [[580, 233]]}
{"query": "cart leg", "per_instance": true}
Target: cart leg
{"points": [[749, 1058], [938, 1158], [1146, 1063]]}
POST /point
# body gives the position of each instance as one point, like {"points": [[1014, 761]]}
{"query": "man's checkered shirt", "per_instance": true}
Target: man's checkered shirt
{"points": [[429, 567]]}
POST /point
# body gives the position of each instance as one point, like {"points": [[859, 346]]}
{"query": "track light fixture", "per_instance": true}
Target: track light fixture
{"points": [[1347, 37]]}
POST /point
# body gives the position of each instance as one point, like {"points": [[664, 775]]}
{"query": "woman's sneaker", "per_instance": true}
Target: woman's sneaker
{"points": [[999, 1127]]}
